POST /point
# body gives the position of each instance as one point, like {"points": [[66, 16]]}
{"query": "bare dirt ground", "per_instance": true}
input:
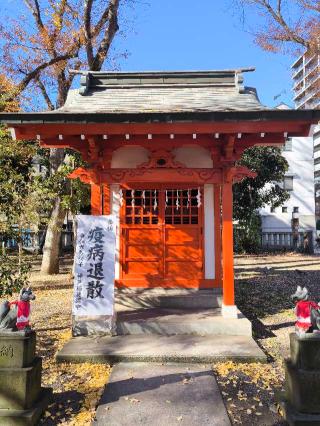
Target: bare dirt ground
{"points": [[263, 288]]}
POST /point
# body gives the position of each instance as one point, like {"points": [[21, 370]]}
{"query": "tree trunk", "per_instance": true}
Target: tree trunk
{"points": [[51, 248]]}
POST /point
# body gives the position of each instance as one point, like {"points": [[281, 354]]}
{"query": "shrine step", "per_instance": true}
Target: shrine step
{"points": [[170, 322], [131, 298], [155, 348]]}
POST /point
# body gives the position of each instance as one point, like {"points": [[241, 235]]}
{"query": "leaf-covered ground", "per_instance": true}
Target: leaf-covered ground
{"points": [[77, 388], [263, 288]]}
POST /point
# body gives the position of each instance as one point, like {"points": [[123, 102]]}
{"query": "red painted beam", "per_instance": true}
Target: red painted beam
{"points": [[163, 141], [45, 130]]}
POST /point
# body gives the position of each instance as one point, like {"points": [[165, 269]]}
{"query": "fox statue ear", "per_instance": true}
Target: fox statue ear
{"points": [[299, 288], [305, 289]]}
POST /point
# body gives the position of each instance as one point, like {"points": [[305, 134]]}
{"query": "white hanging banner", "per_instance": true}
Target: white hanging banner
{"points": [[94, 266]]}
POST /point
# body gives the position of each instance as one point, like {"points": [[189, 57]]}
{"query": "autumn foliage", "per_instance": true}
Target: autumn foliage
{"points": [[50, 37], [285, 25]]}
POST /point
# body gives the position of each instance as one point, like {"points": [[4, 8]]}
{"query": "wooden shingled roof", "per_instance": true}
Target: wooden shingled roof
{"points": [[163, 92]]}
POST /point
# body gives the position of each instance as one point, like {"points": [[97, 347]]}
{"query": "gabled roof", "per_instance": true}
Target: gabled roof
{"points": [[168, 92], [162, 97]]}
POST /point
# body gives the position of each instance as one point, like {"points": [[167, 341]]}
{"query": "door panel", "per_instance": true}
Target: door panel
{"points": [[144, 235], [181, 235], [186, 270], [162, 236], [142, 268], [143, 251]]}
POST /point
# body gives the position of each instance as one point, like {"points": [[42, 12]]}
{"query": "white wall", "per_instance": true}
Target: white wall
{"points": [[301, 167], [209, 248], [115, 209], [194, 156], [129, 157], [133, 156]]}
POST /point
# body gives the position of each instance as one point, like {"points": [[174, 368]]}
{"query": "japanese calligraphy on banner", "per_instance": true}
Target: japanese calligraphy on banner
{"points": [[94, 266]]}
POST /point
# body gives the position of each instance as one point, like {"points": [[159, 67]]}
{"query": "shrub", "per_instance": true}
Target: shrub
{"points": [[13, 275]]}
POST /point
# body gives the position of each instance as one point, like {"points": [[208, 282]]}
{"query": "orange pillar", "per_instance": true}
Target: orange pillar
{"points": [[106, 206], [228, 307], [96, 200]]}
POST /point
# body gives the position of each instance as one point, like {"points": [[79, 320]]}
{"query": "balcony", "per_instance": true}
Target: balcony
{"points": [[296, 71], [306, 87], [305, 75], [307, 98]]}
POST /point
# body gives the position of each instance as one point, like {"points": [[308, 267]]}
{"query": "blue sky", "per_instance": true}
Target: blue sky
{"points": [[197, 35], [206, 34]]}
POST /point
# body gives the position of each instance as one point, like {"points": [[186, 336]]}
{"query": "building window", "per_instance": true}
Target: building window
{"points": [[295, 209], [288, 183], [284, 209], [272, 209], [288, 145]]}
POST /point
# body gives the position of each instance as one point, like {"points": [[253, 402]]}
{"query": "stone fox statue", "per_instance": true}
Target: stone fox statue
{"points": [[18, 316], [307, 312]]}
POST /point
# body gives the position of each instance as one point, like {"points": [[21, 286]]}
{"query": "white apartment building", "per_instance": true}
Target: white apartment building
{"points": [[316, 141], [303, 155], [306, 81], [299, 181]]}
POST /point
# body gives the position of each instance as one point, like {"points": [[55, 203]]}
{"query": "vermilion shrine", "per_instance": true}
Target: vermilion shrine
{"points": [[161, 149]]}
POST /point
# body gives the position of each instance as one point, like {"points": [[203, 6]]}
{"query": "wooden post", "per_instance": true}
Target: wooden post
{"points": [[96, 200], [228, 308], [106, 200]]}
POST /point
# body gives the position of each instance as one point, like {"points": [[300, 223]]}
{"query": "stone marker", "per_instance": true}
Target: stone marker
{"points": [[22, 400], [301, 400]]}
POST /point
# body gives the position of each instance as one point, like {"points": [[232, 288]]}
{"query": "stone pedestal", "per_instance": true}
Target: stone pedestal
{"points": [[301, 400], [22, 400]]}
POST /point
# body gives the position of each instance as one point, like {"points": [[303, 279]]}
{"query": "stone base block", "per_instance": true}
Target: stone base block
{"points": [[17, 349], [167, 298], [27, 417], [302, 389], [100, 325], [294, 418], [20, 387], [170, 322], [305, 351], [229, 311]]}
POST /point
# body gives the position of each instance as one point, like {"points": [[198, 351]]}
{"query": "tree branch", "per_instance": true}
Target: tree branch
{"points": [[87, 31], [110, 32], [20, 87], [102, 21], [310, 5], [35, 10], [44, 93], [278, 17]]}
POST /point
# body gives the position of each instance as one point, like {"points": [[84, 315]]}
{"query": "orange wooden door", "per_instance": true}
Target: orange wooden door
{"points": [[141, 235], [161, 237], [183, 254]]}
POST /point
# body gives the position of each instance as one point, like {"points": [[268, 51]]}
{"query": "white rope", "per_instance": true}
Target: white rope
{"points": [[155, 205], [189, 199], [177, 200], [121, 197], [144, 199], [199, 198]]}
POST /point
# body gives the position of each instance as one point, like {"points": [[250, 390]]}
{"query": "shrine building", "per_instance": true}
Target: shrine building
{"points": [[161, 151]]}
